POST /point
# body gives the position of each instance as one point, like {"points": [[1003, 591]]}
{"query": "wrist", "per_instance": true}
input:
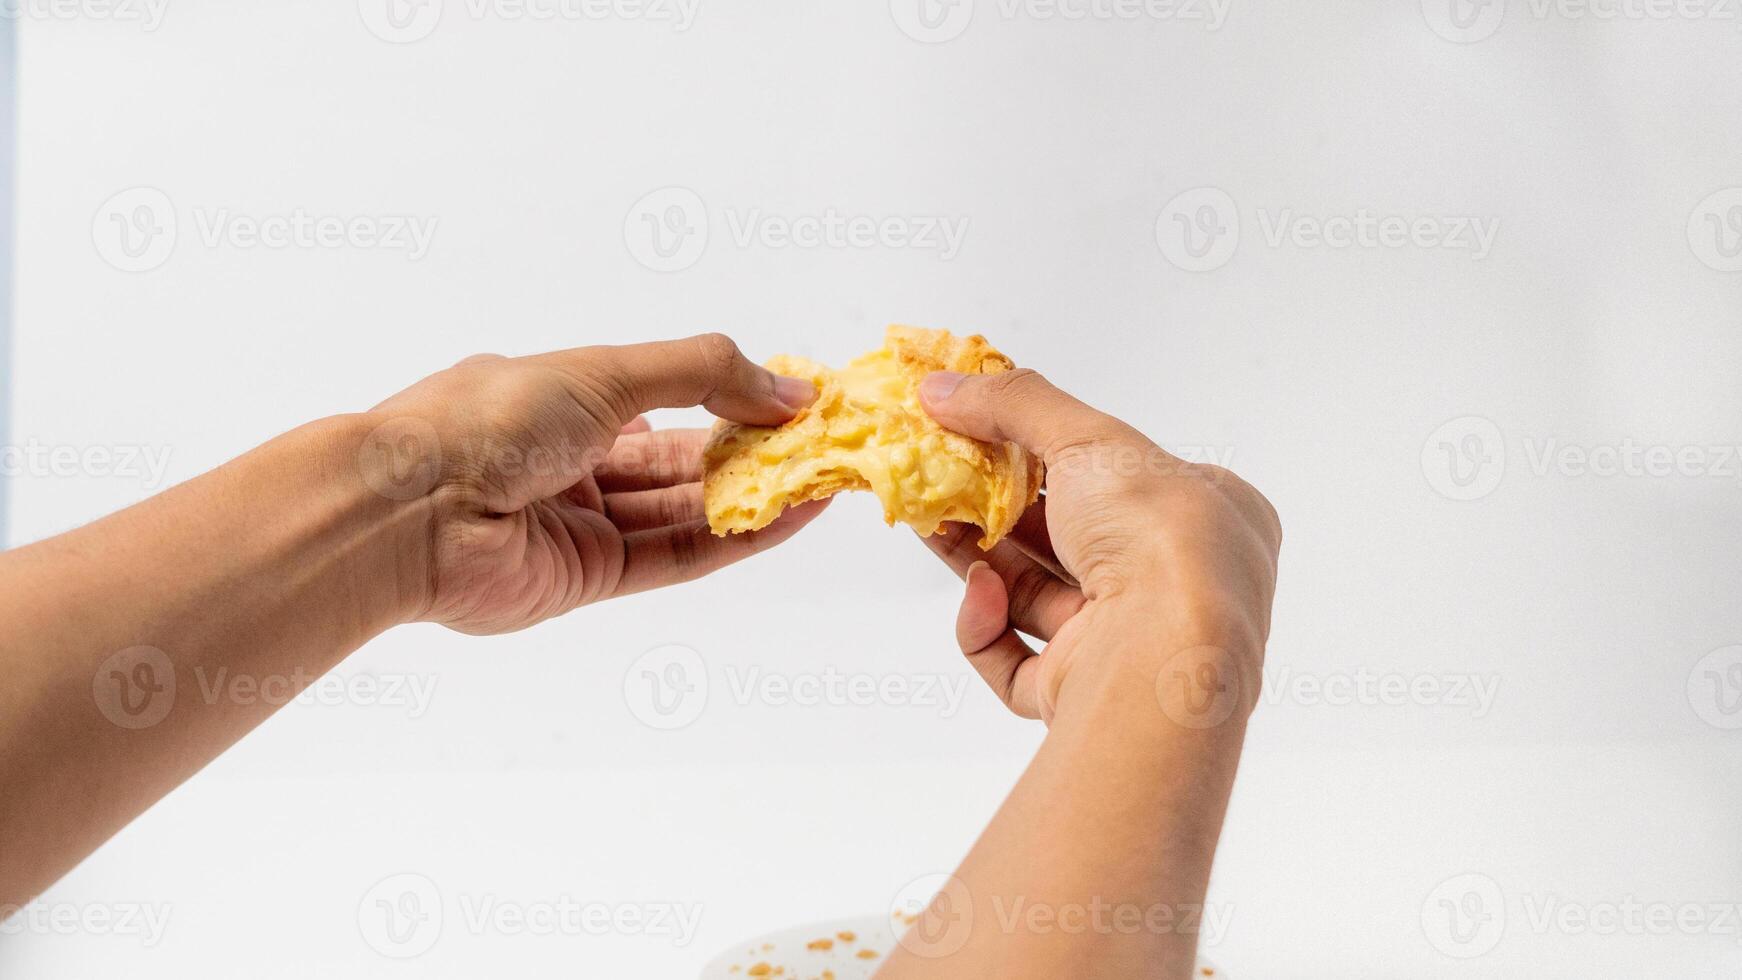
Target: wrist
{"points": [[379, 478], [1175, 668]]}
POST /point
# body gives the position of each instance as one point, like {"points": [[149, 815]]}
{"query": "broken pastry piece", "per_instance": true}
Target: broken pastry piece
{"points": [[867, 431]]}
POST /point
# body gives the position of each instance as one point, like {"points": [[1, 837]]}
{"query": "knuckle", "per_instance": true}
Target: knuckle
{"points": [[1016, 384], [1269, 521], [956, 544], [685, 552], [478, 359], [719, 353], [1029, 588], [1216, 476], [1109, 454], [672, 510], [1252, 507], [500, 396]]}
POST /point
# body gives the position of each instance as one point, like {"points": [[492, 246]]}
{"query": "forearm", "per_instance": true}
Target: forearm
{"points": [[1098, 862], [269, 569]]}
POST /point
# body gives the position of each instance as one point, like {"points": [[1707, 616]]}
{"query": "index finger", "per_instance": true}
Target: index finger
{"points": [[708, 370]]}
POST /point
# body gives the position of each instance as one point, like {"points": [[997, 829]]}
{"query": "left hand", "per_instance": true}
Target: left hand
{"points": [[548, 490]]}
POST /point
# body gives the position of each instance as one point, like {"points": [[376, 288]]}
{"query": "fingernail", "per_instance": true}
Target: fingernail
{"points": [[939, 385], [794, 393]]}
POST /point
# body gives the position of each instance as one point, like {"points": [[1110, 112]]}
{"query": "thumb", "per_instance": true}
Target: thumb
{"points": [[1016, 406]]}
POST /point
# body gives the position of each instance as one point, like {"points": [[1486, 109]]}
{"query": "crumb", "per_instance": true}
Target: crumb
{"points": [[761, 970], [866, 954], [846, 936], [820, 944]]}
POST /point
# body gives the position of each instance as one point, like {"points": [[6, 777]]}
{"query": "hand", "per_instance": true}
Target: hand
{"points": [[1127, 537], [546, 488]]}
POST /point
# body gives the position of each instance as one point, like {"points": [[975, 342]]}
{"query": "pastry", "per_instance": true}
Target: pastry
{"points": [[867, 431]]}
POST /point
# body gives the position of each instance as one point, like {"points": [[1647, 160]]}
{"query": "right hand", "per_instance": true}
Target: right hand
{"points": [[1129, 544]]}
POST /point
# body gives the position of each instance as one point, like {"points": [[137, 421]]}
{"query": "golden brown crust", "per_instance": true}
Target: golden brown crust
{"points": [[982, 483]]}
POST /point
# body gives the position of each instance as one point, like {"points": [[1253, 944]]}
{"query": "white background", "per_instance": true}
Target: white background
{"points": [[1601, 772]]}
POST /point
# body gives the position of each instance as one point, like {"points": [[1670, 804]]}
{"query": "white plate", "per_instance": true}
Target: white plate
{"points": [[801, 951]]}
